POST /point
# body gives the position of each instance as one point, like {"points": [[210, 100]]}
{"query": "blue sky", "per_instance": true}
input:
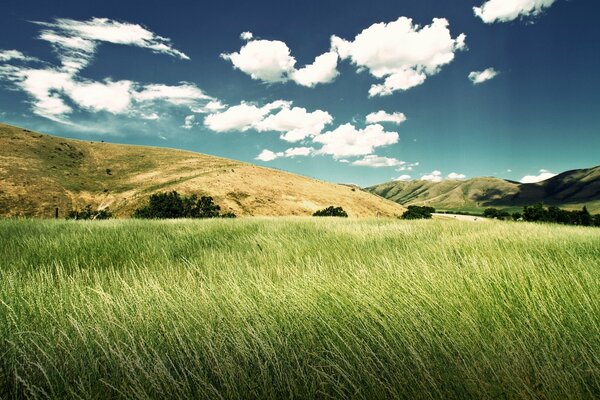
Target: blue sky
{"points": [[400, 89]]}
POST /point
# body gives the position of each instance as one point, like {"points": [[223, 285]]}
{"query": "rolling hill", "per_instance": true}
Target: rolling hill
{"points": [[40, 172], [571, 189]]}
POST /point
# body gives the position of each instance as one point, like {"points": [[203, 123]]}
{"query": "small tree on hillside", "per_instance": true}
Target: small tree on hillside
{"points": [[331, 211], [172, 205], [417, 212]]}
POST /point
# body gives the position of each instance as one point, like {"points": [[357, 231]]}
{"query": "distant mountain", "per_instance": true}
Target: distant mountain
{"points": [[571, 189], [41, 172]]}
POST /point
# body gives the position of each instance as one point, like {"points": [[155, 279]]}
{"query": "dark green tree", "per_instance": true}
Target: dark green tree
{"points": [[418, 212], [331, 211]]}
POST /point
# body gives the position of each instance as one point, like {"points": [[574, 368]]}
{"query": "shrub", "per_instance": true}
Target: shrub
{"points": [[89, 213], [495, 213], [173, 205], [331, 211], [417, 212]]}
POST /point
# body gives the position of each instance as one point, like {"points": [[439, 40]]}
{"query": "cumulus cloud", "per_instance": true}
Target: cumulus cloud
{"points": [[400, 52], [508, 10], [456, 176], [382, 116], [542, 176], [375, 161], [268, 155], [403, 178], [294, 123], [434, 176], [322, 70], [246, 36], [478, 77], [265, 60], [270, 61], [348, 141]]}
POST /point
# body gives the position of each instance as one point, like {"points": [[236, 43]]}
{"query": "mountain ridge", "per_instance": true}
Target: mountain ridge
{"points": [[570, 189]]}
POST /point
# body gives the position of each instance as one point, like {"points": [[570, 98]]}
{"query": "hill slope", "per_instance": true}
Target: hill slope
{"points": [[571, 189], [40, 172]]}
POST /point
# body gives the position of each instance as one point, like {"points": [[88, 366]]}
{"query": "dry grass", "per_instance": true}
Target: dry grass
{"points": [[41, 172]]}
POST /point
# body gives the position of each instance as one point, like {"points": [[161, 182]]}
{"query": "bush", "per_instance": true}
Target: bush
{"points": [[173, 205], [331, 211], [89, 213], [417, 212], [495, 213]]}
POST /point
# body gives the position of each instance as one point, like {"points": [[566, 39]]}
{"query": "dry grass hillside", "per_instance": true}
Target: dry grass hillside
{"points": [[41, 172], [571, 190]]}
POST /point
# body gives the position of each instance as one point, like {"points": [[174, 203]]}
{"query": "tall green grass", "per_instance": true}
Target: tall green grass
{"points": [[298, 308]]}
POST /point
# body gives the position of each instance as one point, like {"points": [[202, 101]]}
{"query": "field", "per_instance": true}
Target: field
{"points": [[298, 308]]}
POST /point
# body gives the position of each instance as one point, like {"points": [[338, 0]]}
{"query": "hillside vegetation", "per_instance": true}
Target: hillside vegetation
{"points": [[571, 190], [298, 308], [41, 172]]}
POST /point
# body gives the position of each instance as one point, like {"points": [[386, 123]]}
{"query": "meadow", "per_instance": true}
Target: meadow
{"points": [[298, 308]]}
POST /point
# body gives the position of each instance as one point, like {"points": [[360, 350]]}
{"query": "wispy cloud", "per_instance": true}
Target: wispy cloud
{"points": [[56, 89]]}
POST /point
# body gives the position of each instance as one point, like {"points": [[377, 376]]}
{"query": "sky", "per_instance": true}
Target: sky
{"points": [[343, 91]]}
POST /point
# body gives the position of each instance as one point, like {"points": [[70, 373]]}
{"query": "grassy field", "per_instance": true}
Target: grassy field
{"points": [[298, 308]]}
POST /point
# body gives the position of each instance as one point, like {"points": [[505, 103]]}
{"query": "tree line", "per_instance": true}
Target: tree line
{"points": [[551, 214]]}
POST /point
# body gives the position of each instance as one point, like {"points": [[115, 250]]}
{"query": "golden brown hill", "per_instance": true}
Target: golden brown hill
{"points": [[41, 172]]}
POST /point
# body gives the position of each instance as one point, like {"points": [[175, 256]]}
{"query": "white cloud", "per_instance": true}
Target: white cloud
{"points": [[375, 161], [271, 61], [407, 167], [382, 116], [295, 123], [322, 70], [246, 36], [76, 41], [402, 53], [543, 175], [266, 60], [456, 176], [268, 155], [113, 97], [434, 176], [348, 141], [182, 94], [9, 55], [478, 77], [508, 10], [189, 122], [403, 178], [55, 89]]}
